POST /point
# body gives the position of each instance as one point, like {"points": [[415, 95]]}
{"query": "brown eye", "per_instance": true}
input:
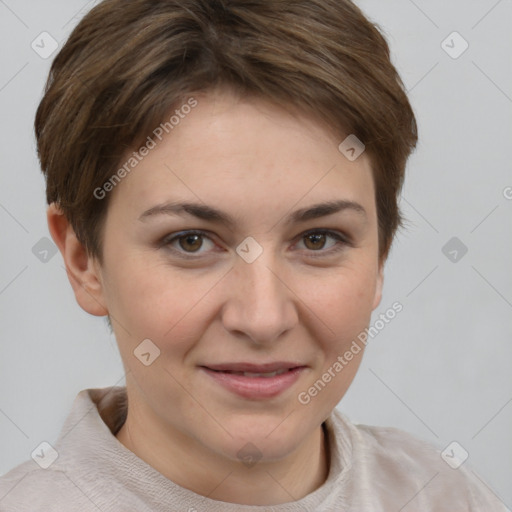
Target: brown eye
{"points": [[191, 242], [324, 243], [315, 241]]}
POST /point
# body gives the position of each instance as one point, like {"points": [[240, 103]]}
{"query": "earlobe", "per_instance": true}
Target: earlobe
{"points": [[378, 287], [82, 269]]}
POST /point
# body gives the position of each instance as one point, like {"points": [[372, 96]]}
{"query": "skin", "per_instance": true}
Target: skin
{"points": [[258, 163]]}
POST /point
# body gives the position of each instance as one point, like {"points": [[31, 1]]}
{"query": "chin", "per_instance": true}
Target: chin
{"points": [[262, 439]]}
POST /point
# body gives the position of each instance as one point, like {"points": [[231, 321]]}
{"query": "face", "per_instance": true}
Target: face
{"points": [[252, 291]]}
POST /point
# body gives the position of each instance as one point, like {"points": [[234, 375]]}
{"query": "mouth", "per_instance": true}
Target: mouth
{"points": [[255, 381], [255, 374]]}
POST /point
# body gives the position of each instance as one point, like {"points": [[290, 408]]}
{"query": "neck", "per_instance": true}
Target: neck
{"points": [[188, 463]]}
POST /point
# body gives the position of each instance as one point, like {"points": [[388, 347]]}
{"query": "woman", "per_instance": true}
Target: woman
{"points": [[222, 180]]}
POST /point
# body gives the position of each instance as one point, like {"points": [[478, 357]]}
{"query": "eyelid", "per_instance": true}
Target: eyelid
{"points": [[166, 241], [342, 238], [343, 242]]}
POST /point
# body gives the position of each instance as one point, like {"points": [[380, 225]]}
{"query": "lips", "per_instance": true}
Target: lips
{"points": [[255, 370], [255, 381]]}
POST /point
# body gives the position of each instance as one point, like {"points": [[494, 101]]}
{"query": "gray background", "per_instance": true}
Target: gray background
{"points": [[440, 369]]}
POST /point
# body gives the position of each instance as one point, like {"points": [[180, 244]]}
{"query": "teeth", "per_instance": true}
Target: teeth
{"points": [[269, 374], [256, 374]]}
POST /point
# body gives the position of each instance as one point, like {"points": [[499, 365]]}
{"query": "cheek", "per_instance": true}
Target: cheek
{"points": [[159, 303], [344, 303]]}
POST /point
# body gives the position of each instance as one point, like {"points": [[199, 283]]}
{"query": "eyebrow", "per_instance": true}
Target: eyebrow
{"points": [[208, 213]]}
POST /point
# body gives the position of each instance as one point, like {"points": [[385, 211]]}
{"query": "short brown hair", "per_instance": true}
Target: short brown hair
{"points": [[127, 64]]}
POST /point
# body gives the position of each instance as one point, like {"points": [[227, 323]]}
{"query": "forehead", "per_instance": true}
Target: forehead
{"points": [[247, 155]]}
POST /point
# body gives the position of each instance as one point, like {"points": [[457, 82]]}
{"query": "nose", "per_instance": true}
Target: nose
{"points": [[260, 305]]}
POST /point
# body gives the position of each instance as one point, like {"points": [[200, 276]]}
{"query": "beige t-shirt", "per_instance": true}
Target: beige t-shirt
{"points": [[372, 469]]}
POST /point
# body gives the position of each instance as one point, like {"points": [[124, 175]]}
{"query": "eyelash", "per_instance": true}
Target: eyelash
{"points": [[343, 242]]}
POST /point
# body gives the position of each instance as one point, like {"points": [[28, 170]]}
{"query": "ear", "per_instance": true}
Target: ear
{"points": [[82, 269], [378, 286]]}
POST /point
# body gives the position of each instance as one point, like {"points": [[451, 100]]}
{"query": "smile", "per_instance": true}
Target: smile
{"points": [[255, 382]]}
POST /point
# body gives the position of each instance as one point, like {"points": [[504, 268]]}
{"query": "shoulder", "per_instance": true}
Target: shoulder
{"points": [[28, 485], [411, 473], [74, 469]]}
